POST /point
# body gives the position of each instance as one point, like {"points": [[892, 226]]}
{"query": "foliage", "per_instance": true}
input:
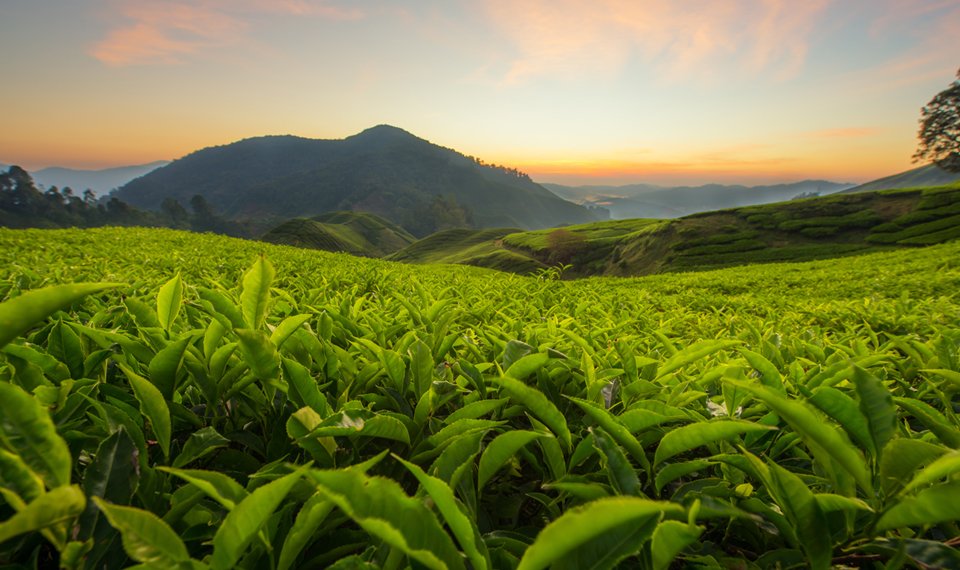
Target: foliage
{"points": [[241, 405], [940, 129], [23, 205]]}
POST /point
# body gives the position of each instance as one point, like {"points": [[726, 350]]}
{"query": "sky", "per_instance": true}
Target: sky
{"points": [[569, 91]]}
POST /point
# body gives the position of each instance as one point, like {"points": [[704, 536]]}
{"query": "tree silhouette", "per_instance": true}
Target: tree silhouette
{"points": [[940, 129]]}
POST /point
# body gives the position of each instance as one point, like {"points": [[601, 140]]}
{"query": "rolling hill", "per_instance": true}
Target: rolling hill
{"points": [[650, 201], [383, 170], [929, 175], [357, 233], [479, 248], [798, 230]]}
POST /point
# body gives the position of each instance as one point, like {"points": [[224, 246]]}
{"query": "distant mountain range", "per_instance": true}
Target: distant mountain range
{"points": [[383, 170], [100, 181], [650, 201], [929, 175]]}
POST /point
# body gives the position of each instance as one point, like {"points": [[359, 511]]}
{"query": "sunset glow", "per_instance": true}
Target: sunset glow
{"points": [[570, 91]]}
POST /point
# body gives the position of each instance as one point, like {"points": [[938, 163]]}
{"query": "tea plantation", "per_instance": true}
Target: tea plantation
{"points": [[207, 402]]}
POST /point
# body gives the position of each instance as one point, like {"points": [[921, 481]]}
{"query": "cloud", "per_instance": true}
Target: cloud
{"points": [[168, 31], [569, 38]]}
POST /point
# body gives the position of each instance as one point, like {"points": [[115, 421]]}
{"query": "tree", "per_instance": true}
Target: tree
{"points": [[940, 129]]}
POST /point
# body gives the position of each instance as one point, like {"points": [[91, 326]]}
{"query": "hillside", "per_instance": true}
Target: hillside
{"points": [[383, 170], [929, 175], [651, 201], [481, 248], [357, 233], [798, 230]]}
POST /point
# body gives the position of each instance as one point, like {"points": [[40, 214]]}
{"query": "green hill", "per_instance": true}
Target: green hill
{"points": [[357, 233], [383, 170], [481, 248], [798, 230]]}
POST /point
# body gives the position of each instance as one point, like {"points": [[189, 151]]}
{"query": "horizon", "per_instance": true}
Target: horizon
{"points": [[603, 93]]}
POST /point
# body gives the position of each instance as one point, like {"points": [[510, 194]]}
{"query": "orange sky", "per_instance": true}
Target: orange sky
{"points": [[605, 91]]}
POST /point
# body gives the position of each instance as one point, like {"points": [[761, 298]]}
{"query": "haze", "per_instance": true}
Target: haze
{"points": [[574, 92]]}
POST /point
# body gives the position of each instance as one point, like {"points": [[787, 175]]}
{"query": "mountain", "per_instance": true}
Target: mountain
{"points": [[796, 230], [382, 170], [929, 175], [100, 181], [357, 233], [650, 201]]}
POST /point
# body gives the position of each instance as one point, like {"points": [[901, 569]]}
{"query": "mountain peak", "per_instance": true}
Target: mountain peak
{"points": [[383, 133]]}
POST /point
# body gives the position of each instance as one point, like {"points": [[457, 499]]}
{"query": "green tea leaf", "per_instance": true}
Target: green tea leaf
{"points": [[877, 406], [800, 506], [60, 505], [287, 328], [812, 429], [670, 539], [693, 353], [240, 526], [932, 419], [224, 306], [199, 444], [902, 457], [27, 429], [476, 410], [611, 424], [146, 538], [152, 405], [256, 292], [463, 527], [500, 450], [303, 390], [19, 314], [538, 405], [578, 527], [527, 365], [219, 487], [18, 477], [841, 407], [383, 510], [163, 367], [113, 475], [692, 436], [945, 466], [169, 300], [623, 477], [304, 528], [928, 507], [259, 353]]}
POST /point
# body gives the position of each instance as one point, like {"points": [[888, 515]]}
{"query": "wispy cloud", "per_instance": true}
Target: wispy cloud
{"points": [[569, 38], [168, 31]]}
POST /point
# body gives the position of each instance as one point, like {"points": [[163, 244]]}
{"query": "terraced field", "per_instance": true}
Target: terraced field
{"points": [[219, 403]]}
